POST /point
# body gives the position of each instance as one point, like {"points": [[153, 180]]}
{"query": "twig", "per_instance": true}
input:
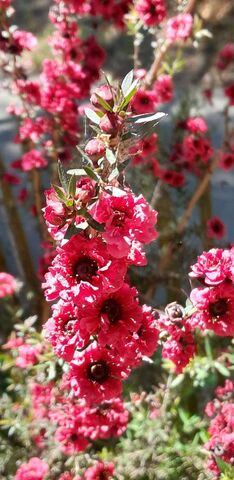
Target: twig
{"points": [[161, 52]]}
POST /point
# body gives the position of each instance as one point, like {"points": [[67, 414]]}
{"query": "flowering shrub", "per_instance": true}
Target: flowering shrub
{"points": [[108, 376]]}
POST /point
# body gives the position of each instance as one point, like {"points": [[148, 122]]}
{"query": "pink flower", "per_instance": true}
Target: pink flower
{"points": [[226, 161], [164, 88], [126, 218], [179, 348], [215, 309], [214, 266], [7, 284], [144, 101], [33, 159], [196, 125], [35, 469], [215, 228], [25, 40], [71, 438], [27, 355], [82, 267], [151, 12], [11, 179], [42, 398], [97, 374], [63, 330], [112, 316], [56, 214], [100, 471], [225, 56], [179, 27], [147, 334]]}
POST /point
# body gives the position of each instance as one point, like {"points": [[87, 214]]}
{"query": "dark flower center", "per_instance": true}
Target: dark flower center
{"points": [[218, 308], [112, 309], [85, 269], [73, 437], [217, 227], [118, 218], [144, 100], [98, 372]]}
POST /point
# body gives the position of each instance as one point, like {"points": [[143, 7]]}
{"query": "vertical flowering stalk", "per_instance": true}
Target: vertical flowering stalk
{"points": [[98, 324]]}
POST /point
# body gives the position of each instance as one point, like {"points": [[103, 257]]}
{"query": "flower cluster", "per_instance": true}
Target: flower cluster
{"points": [[98, 324], [176, 334], [221, 442], [214, 299]]}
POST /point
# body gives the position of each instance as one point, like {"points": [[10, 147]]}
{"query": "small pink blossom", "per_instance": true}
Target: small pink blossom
{"points": [[179, 27], [7, 284], [33, 159], [35, 469]]}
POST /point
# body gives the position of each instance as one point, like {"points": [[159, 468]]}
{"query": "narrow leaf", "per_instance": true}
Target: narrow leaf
{"points": [[85, 158], [92, 174], [126, 83], [136, 119], [91, 114], [93, 223], [60, 193], [79, 172], [72, 230], [72, 186], [103, 103], [128, 97], [62, 176]]}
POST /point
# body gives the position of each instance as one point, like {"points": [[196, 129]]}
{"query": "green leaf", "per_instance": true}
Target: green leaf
{"points": [[177, 380], [85, 157], [129, 96], [100, 227], [103, 103], [72, 230], [110, 156], [92, 115], [72, 186], [144, 118], [127, 82], [223, 466], [92, 174], [60, 193], [62, 176], [222, 369]]}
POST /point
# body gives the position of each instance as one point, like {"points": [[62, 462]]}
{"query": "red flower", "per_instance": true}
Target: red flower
{"points": [[81, 267], [225, 56], [100, 471], [215, 309], [164, 88], [226, 161], [97, 374], [215, 228], [112, 316], [63, 330], [127, 218], [151, 12], [144, 101], [229, 92], [214, 266], [179, 348], [33, 159]]}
